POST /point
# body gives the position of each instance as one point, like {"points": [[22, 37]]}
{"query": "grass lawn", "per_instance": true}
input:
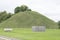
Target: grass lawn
{"points": [[27, 34]]}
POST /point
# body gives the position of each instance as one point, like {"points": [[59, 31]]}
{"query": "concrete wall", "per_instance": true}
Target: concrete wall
{"points": [[38, 28]]}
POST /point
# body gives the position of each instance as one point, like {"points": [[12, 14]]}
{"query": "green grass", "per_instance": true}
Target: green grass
{"points": [[27, 34], [28, 19]]}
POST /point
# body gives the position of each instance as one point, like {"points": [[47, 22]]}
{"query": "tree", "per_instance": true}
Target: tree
{"points": [[59, 24], [4, 16], [9, 15], [22, 8], [17, 9]]}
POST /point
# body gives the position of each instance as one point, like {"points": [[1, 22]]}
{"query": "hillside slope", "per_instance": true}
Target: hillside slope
{"points": [[28, 19]]}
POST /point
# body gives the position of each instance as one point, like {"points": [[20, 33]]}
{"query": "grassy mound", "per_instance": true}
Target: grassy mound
{"points": [[28, 19]]}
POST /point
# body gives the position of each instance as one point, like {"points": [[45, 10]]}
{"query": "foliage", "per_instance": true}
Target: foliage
{"points": [[4, 16], [17, 9], [22, 8], [59, 24]]}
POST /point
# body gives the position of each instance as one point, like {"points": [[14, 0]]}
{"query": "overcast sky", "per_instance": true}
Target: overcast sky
{"points": [[49, 8]]}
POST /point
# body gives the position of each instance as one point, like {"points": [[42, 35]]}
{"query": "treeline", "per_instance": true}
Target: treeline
{"points": [[4, 16]]}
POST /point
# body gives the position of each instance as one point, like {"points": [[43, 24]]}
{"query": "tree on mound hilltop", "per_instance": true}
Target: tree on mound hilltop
{"points": [[22, 8]]}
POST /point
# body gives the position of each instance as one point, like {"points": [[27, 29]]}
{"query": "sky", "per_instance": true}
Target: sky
{"points": [[49, 8]]}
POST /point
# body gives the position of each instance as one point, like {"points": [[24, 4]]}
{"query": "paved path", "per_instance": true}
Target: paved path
{"points": [[6, 38]]}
